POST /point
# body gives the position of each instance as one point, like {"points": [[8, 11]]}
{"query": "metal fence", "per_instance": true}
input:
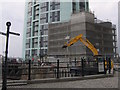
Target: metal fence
{"points": [[39, 70]]}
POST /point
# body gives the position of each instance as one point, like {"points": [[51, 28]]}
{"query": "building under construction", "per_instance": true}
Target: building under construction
{"points": [[102, 34]]}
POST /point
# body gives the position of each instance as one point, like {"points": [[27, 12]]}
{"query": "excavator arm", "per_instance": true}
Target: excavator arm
{"points": [[84, 41]]}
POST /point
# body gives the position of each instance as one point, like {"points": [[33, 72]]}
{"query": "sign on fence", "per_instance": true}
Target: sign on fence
{"points": [[101, 66]]}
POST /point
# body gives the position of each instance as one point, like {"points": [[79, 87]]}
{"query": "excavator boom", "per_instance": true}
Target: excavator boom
{"points": [[84, 41]]}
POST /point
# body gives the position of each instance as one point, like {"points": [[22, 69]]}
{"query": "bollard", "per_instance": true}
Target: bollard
{"points": [[82, 66], [29, 70], [58, 68]]}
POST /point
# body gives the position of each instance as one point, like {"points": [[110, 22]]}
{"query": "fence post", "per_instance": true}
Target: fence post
{"points": [[97, 66], [29, 70], [65, 74], [58, 68], [104, 66], [75, 61], [82, 66], [109, 65]]}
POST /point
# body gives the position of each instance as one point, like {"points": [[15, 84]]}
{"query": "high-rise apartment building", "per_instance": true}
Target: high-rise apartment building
{"points": [[38, 14]]}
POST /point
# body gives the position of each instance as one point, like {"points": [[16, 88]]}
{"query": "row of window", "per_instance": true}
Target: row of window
{"points": [[35, 33], [43, 31], [53, 6], [42, 52], [43, 42], [44, 6], [54, 16], [35, 45]]}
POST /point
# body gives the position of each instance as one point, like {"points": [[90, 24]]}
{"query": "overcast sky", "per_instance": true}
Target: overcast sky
{"points": [[13, 11]]}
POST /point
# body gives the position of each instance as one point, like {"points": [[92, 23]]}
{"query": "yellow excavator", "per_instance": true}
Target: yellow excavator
{"points": [[87, 43]]}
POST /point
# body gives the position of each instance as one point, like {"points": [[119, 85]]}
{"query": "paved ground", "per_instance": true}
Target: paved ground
{"points": [[111, 82], [96, 83]]}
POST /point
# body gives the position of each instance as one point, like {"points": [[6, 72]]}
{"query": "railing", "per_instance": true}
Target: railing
{"points": [[76, 68]]}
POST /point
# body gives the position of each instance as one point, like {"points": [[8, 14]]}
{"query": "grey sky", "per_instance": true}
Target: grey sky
{"points": [[13, 11]]}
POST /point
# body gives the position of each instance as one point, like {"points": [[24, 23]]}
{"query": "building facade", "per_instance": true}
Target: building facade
{"points": [[101, 34], [38, 14], [119, 28]]}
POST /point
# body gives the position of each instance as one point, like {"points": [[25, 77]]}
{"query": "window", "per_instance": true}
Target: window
{"points": [[36, 1], [29, 22], [35, 43], [30, 4], [44, 32], [44, 6], [45, 39], [74, 6], [36, 12], [35, 28], [45, 27], [28, 33], [36, 7], [45, 44], [29, 11], [55, 16], [27, 53], [82, 6], [45, 15], [44, 18], [43, 52], [54, 5], [34, 52], [27, 43]]}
